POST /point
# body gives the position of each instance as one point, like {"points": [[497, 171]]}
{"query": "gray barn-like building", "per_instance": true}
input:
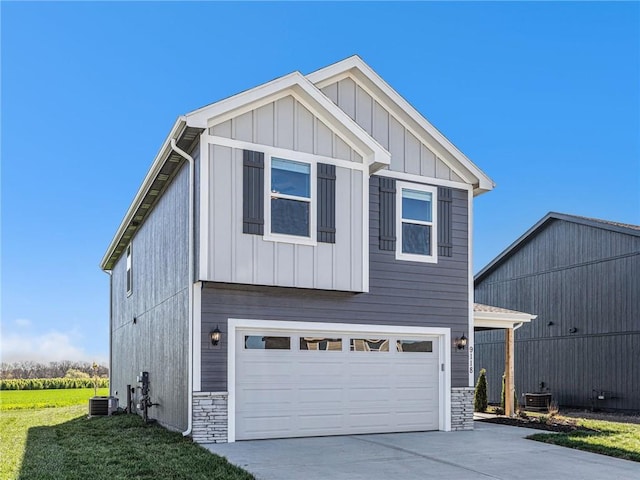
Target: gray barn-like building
{"points": [[582, 277]]}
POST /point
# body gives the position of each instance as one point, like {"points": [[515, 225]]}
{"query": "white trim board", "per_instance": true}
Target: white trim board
{"points": [[410, 177], [443, 334], [281, 152]]}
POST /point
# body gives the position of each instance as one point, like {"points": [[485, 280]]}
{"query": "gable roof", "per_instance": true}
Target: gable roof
{"points": [[364, 75], [311, 97], [305, 89], [617, 227]]}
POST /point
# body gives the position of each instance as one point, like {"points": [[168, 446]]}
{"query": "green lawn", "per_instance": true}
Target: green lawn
{"points": [[620, 440], [29, 399], [62, 443]]}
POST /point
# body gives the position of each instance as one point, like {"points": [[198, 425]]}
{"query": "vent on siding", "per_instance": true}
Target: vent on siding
{"points": [[387, 190], [445, 226], [253, 192], [326, 203]]}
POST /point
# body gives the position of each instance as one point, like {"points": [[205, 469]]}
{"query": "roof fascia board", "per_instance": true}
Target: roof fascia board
{"points": [[311, 97], [338, 70], [511, 249], [595, 223], [177, 129]]}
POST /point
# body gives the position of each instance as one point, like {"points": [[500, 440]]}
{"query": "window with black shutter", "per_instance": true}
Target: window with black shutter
{"points": [[326, 203], [445, 227], [253, 192], [387, 191]]}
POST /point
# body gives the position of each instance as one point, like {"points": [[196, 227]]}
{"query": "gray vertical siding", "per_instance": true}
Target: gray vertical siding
{"points": [[158, 341], [401, 293], [572, 276], [408, 153]]}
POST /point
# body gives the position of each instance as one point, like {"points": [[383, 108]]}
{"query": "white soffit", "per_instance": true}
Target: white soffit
{"points": [[367, 78], [501, 320], [299, 87]]}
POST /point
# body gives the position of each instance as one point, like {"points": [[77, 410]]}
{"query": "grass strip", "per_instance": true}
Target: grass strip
{"points": [[62, 443], [30, 399], [620, 440]]}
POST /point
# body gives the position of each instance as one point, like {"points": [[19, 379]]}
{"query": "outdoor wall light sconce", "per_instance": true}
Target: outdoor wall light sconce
{"points": [[216, 334], [549, 324], [461, 342]]}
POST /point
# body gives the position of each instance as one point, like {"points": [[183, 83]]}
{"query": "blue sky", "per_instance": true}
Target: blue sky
{"points": [[544, 97]]}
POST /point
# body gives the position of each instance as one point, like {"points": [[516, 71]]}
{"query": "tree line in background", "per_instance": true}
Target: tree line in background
{"points": [[63, 369]]}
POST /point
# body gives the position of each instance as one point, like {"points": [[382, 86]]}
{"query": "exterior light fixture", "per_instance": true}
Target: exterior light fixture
{"points": [[216, 334], [461, 342]]}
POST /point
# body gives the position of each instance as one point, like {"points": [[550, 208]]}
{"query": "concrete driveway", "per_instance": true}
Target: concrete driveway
{"points": [[489, 451]]}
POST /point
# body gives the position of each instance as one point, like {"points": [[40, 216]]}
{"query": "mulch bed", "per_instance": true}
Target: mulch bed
{"points": [[534, 423]]}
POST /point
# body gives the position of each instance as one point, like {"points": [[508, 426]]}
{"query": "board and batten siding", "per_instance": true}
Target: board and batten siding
{"points": [[572, 276], [408, 153], [236, 257], [158, 340], [286, 123], [401, 293]]}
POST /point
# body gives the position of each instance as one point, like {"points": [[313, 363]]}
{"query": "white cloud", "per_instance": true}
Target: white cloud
{"points": [[47, 347], [23, 322]]}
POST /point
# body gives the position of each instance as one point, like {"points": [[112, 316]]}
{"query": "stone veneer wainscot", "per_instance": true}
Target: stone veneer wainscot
{"points": [[209, 417], [462, 408]]}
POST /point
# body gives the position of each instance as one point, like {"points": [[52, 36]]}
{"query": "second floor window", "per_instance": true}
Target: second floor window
{"points": [[290, 197], [416, 218]]}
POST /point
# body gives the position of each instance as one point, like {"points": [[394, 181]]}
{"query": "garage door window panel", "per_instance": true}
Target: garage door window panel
{"points": [[321, 343], [425, 346], [262, 342], [369, 345]]}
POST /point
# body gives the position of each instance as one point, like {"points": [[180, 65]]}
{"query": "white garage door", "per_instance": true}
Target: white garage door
{"points": [[296, 384]]}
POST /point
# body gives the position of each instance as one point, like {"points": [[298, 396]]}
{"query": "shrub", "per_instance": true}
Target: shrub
{"points": [[553, 409], [502, 394], [480, 401]]}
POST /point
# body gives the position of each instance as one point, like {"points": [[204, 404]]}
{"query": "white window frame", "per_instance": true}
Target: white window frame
{"points": [[129, 270], [281, 237], [400, 255]]}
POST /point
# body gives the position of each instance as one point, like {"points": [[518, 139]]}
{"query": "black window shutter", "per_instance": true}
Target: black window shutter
{"points": [[387, 189], [326, 203], [445, 203], [253, 192]]}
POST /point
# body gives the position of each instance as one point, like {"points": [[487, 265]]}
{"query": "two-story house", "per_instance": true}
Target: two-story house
{"points": [[297, 262]]}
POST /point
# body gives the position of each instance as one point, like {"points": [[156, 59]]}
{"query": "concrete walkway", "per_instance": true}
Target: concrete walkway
{"points": [[488, 452]]}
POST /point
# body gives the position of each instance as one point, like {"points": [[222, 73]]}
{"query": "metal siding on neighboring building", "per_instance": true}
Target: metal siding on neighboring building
{"points": [[401, 293], [408, 154], [158, 340], [572, 276], [238, 257]]}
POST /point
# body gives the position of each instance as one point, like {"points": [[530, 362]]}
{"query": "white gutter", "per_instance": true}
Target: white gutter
{"points": [[515, 327], [192, 170]]}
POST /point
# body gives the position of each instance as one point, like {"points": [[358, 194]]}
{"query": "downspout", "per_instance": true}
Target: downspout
{"points": [[110, 273], [189, 158], [517, 326]]}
